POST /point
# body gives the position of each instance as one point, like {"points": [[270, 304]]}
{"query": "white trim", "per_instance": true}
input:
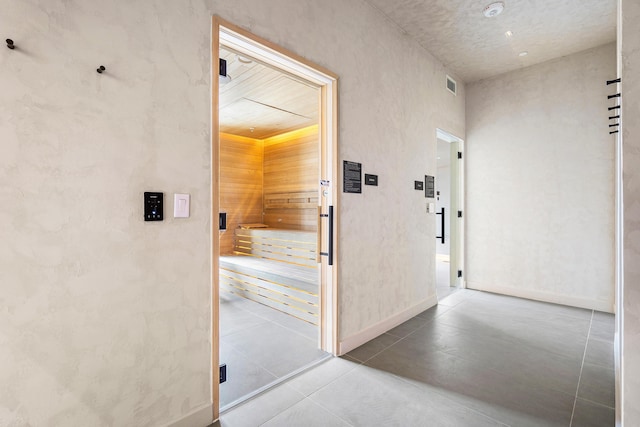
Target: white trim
{"points": [[618, 341], [199, 418], [551, 297], [230, 38], [366, 335], [457, 242]]}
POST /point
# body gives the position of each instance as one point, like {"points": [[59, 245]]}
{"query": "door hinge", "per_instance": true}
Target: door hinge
{"points": [[459, 273], [459, 214], [459, 154], [223, 373]]}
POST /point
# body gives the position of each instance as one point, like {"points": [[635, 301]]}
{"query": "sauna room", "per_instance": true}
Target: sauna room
{"points": [[269, 275]]}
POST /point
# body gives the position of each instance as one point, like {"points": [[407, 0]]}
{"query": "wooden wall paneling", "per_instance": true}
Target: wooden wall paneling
{"points": [[241, 175], [291, 166]]}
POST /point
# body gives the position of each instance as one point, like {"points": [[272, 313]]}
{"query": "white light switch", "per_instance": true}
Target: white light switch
{"points": [[431, 207], [181, 205]]}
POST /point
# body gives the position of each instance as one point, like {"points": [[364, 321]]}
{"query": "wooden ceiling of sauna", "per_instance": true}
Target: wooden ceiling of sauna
{"points": [[263, 99]]}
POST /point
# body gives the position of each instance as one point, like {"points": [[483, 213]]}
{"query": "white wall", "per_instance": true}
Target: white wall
{"points": [[540, 182], [105, 319], [630, 74]]}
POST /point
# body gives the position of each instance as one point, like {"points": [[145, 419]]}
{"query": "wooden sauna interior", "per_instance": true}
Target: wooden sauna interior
{"points": [[269, 178], [271, 181], [269, 148]]}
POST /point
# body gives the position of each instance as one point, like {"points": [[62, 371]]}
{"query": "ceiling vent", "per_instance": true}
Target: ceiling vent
{"points": [[452, 86]]}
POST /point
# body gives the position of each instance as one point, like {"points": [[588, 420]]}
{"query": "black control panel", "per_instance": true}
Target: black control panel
{"points": [[153, 206]]}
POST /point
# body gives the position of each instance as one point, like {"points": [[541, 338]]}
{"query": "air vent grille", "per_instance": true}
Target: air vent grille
{"points": [[451, 85]]}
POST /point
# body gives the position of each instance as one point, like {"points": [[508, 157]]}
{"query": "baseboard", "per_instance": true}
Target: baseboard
{"points": [[201, 417], [552, 297], [366, 335]]}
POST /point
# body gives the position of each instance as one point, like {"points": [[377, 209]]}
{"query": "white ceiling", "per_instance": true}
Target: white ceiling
{"points": [[475, 47]]}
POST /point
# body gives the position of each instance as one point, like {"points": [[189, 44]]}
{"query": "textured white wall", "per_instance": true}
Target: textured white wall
{"points": [[630, 74], [105, 319], [540, 182]]}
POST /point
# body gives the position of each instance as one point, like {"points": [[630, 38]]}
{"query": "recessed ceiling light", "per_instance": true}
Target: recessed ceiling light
{"points": [[494, 9], [525, 53], [508, 34]]}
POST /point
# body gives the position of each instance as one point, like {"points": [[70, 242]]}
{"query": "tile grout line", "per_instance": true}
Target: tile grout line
{"points": [[584, 355]]}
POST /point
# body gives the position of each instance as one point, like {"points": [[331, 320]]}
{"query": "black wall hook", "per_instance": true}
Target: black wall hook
{"points": [[617, 95], [10, 44], [614, 108], [101, 69], [615, 131], [614, 125], [610, 82], [613, 117]]}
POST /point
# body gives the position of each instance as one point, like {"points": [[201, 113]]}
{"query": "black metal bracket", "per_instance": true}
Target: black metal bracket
{"points": [[614, 125], [614, 117], [614, 107], [615, 131], [610, 82], [223, 373], [617, 95]]}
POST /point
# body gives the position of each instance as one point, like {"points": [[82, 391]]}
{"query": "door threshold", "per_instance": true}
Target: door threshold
{"points": [[273, 384]]}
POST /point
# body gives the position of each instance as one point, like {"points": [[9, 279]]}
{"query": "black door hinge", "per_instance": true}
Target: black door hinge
{"points": [[459, 214], [459, 154], [459, 273], [223, 373]]}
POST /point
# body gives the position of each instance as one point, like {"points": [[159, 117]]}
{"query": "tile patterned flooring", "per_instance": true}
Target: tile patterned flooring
{"points": [[260, 346], [476, 359]]}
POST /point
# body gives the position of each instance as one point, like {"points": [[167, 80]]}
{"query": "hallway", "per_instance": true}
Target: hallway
{"points": [[476, 359]]}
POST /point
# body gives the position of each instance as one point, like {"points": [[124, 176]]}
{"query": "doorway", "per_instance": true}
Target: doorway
{"points": [[449, 214], [274, 268]]}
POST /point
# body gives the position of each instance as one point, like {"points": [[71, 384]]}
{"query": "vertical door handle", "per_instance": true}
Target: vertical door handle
{"points": [[442, 219], [329, 217], [330, 235]]}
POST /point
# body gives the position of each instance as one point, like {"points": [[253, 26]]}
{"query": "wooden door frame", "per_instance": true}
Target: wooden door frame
{"points": [[228, 34]]}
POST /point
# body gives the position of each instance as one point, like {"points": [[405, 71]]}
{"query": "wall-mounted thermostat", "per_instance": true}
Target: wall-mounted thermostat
{"points": [[153, 206]]}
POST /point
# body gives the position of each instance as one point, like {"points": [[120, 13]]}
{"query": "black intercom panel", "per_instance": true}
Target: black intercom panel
{"points": [[429, 186], [153, 206]]}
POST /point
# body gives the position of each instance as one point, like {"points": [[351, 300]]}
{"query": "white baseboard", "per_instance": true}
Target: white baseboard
{"points": [[366, 335], [552, 297], [201, 417]]}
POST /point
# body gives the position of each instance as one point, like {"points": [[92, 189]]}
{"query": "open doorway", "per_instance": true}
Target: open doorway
{"points": [[274, 161], [269, 179], [449, 213]]}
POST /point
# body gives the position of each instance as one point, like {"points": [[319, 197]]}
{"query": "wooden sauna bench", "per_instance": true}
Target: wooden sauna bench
{"points": [[274, 267]]}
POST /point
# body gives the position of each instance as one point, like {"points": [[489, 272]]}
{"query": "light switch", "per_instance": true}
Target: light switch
{"points": [[431, 207], [181, 205]]}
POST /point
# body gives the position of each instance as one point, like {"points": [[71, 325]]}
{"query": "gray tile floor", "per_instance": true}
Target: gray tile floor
{"points": [[476, 359], [260, 346]]}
